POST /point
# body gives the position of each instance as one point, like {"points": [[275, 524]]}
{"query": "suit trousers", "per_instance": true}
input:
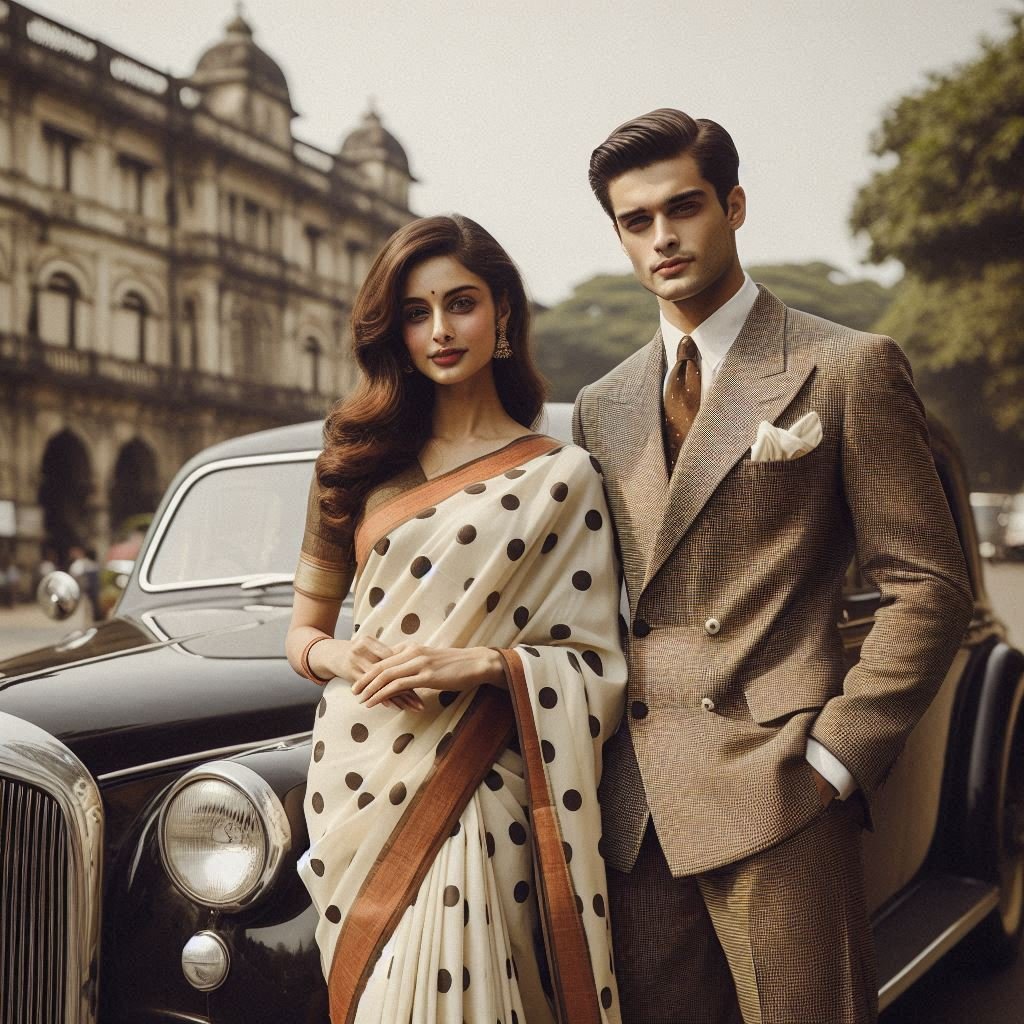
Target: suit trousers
{"points": [[780, 937]]}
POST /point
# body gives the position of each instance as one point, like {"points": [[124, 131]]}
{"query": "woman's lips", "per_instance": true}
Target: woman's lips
{"points": [[448, 357]]}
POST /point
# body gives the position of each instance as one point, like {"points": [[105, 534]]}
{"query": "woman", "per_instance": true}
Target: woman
{"points": [[451, 799]]}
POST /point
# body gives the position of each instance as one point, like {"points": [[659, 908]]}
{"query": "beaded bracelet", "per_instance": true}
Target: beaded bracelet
{"points": [[304, 661]]}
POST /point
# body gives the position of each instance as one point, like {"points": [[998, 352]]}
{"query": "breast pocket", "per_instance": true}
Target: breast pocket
{"points": [[762, 498], [809, 463]]}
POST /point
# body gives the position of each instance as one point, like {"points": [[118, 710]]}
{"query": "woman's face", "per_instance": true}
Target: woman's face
{"points": [[449, 320]]}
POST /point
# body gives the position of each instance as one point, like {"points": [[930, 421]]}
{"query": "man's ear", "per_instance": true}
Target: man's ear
{"points": [[736, 207]]}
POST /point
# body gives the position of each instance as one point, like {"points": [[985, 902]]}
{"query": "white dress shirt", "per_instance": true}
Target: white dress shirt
{"points": [[713, 338]]}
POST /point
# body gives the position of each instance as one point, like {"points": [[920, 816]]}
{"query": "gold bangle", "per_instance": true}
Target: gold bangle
{"points": [[304, 661]]}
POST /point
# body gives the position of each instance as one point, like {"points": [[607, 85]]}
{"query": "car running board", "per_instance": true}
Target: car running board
{"points": [[934, 914]]}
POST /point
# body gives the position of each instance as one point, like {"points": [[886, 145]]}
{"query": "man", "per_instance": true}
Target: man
{"points": [[749, 451]]}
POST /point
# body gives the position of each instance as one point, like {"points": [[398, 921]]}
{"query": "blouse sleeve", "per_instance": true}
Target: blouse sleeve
{"points": [[326, 561]]}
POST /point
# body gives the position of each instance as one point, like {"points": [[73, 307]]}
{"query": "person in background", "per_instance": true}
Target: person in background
{"points": [[85, 569]]}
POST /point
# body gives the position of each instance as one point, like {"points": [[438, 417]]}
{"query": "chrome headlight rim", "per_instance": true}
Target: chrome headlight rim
{"points": [[273, 817]]}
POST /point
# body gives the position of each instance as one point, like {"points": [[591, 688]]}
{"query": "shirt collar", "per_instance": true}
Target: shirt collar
{"points": [[713, 337]]}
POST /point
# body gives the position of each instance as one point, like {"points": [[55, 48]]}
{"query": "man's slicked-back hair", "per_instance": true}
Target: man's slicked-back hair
{"points": [[661, 135]]}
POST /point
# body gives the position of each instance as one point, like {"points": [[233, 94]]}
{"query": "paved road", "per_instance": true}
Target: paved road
{"points": [[955, 992]]}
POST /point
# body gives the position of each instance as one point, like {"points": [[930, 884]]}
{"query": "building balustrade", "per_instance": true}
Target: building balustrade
{"points": [[23, 355]]}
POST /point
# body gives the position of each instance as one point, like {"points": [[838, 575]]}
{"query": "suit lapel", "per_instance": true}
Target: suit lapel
{"points": [[637, 458], [757, 380]]}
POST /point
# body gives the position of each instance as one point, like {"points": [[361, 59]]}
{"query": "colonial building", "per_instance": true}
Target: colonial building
{"points": [[175, 268]]}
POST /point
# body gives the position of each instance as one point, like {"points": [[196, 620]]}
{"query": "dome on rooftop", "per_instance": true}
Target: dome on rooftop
{"points": [[237, 58], [372, 141]]}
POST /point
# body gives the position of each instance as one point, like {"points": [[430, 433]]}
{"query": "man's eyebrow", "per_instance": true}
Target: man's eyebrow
{"points": [[447, 295], [689, 193]]}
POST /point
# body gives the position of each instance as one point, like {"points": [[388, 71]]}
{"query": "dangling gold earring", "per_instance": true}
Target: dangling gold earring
{"points": [[503, 350]]}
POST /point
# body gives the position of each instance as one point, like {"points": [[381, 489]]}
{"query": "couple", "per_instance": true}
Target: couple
{"points": [[462, 864]]}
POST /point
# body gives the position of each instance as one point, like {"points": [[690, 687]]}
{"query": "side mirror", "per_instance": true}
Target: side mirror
{"points": [[58, 595]]}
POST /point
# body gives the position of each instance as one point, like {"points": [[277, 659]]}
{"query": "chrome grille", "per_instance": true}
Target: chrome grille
{"points": [[34, 902], [51, 848]]}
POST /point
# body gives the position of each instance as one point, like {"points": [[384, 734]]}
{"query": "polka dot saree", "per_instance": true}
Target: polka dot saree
{"points": [[454, 859]]}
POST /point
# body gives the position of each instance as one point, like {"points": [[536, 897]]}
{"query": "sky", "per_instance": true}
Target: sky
{"points": [[499, 104]]}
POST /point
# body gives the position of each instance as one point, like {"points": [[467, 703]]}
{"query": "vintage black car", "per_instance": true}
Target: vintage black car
{"points": [[152, 776]]}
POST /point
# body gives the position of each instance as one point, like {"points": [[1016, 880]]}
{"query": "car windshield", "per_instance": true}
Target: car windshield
{"points": [[233, 523]]}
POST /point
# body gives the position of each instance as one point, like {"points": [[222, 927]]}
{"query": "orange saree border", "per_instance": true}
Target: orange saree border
{"points": [[476, 742], [384, 519], [572, 975]]}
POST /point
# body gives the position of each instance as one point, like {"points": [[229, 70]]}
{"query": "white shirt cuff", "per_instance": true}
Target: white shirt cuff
{"points": [[834, 771]]}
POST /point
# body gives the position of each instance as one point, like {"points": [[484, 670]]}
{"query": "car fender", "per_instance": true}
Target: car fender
{"points": [[999, 698]]}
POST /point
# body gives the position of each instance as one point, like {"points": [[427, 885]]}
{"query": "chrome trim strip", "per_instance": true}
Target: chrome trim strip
{"points": [[201, 755], [29, 754], [178, 643], [153, 546], [268, 806], [937, 948]]}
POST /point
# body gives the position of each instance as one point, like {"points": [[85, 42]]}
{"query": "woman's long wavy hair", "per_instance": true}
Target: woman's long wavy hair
{"points": [[380, 429]]}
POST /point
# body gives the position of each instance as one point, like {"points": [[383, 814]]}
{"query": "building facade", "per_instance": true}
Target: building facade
{"points": [[175, 268]]}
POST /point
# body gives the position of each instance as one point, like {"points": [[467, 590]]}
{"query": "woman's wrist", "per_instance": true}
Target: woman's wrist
{"points": [[492, 667], [308, 669]]}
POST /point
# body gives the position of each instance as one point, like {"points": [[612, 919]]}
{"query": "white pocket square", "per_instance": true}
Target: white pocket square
{"points": [[774, 444]]}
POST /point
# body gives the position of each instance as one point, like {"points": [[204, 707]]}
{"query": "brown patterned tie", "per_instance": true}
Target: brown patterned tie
{"points": [[682, 397]]}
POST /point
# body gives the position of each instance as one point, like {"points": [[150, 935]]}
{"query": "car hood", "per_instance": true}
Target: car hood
{"points": [[167, 683]]}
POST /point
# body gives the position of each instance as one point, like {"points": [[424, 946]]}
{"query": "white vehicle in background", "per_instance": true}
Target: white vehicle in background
{"points": [[1013, 534], [991, 512]]}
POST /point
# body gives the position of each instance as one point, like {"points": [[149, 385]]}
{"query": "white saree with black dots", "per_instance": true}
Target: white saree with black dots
{"points": [[453, 858]]}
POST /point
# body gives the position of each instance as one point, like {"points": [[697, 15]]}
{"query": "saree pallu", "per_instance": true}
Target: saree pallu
{"points": [[454, 882]]}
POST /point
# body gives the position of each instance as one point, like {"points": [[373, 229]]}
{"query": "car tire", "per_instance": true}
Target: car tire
{"points": [[997, 778]]}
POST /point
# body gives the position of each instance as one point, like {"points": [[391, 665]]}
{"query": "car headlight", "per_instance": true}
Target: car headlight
{"points": [[223, 834]]}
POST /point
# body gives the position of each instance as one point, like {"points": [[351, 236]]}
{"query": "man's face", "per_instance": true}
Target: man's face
{"points": [[673, 229]]}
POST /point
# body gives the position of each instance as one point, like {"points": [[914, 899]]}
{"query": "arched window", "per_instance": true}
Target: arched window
{"points": [[58, 311], [314, 355], [135, 304]]}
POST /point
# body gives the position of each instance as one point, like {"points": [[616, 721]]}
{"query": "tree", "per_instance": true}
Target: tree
{"points": [[610, 316], [950, 208]]}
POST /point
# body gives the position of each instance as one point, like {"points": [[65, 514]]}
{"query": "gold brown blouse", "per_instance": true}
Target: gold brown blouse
{"points": [[327, 559]]}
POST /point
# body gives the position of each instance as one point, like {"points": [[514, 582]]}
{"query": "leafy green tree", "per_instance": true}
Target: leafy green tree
{"points": [[950, 207], [611, 316], [821, 289]]}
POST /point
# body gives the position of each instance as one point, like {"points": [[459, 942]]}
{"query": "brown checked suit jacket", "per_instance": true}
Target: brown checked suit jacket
{"points": [[734, 573]]}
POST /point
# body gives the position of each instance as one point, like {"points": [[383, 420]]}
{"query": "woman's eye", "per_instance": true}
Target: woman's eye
{"points": [[415, 314], [463, 304]]}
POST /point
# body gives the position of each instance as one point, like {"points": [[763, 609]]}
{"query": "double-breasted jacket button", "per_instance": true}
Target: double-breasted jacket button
{"points": [[712, 626], [707, 704], [638, 709], [640, 628]]}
